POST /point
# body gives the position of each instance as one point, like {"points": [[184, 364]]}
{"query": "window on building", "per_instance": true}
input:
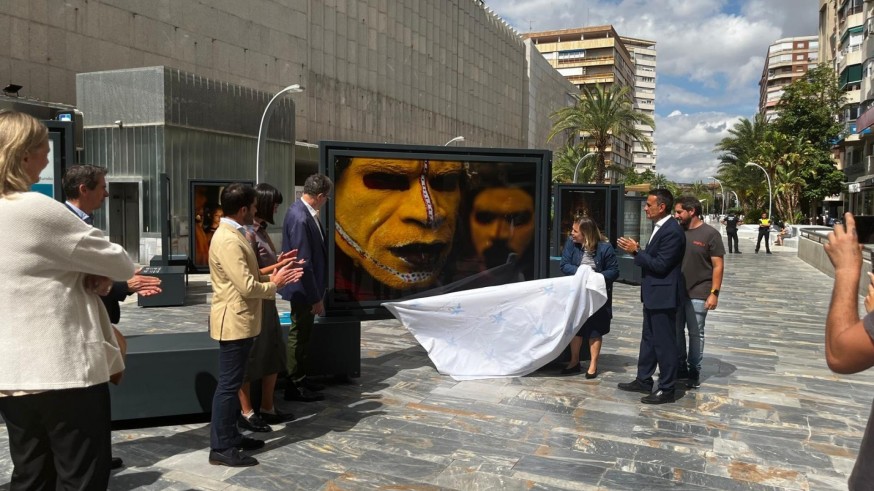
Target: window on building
{"points": [[571, 54]]}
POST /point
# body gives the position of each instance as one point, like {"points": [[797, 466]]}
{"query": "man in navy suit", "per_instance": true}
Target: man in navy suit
{"points": [[662, 292], [302, 231]]}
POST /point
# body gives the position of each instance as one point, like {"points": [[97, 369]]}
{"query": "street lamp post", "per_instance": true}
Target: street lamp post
{"points": [[703, 201], [722, 192], [261, 148], [456, 139], [584, 157], [770, 195]]}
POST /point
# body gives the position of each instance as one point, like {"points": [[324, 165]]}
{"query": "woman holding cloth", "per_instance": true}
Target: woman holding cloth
{"points": [[587, 246], [58, 350]]}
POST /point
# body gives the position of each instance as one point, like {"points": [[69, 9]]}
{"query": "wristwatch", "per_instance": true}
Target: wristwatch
{"points": [[715, 292]]}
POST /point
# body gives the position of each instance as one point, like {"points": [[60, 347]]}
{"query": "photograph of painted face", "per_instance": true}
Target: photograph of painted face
{"points": [[396, 218], [501, 223]]}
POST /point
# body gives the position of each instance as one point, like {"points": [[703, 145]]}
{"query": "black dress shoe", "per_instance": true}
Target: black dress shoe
{"points": [[116, 463], [310, 385], [659, 397], [247, 443], [300, 393], [636, 386], [694, 380], [276, 417], [231, 458], [737, 252], [571, 370], [254, 423], [590, 376]]}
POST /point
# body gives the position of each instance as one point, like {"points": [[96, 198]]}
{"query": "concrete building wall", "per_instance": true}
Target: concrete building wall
{"points": [[545, 84], [405, 71]]}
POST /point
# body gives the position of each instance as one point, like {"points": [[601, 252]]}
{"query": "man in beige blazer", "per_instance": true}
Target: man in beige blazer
{"points": [[235, 318]]}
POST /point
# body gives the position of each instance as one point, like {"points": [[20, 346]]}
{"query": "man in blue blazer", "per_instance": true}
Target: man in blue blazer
{"points": [[302, 231], [662, 292]]}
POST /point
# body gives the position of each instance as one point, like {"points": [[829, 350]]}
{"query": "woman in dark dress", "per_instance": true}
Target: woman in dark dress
{"points": [[587, 246]]}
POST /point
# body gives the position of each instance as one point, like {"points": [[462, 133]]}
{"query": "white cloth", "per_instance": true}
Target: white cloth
{"points": [[55, 335], [502, 331]]}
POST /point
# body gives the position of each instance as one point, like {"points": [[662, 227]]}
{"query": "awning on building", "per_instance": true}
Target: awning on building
{"points": [[851, 74]]}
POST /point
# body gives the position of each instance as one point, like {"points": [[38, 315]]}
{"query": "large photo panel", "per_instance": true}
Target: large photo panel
{"points": [[409, 221], [206, 212]]}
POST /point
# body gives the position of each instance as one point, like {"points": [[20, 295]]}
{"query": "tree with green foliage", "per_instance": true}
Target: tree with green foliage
{"points": [[599, 114], [565, 161], [736, 151], [807, 110], [632, 178]]}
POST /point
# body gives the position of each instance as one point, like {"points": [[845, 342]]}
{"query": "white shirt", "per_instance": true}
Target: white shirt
{"points": [[315, 214], [658, 225]]}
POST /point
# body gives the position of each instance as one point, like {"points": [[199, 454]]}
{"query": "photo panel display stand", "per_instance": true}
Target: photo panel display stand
{"points": [[408, 221], [172, 277]]}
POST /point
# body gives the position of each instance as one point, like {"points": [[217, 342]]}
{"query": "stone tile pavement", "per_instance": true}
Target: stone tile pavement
{"points": [[769, 414]]}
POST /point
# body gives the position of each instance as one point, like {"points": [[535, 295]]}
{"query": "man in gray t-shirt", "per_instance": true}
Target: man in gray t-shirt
{"points": [[702, 272], [849, 341]]}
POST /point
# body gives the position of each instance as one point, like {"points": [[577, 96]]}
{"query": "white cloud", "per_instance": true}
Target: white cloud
{"points": [[686, 143], [710, 57]]}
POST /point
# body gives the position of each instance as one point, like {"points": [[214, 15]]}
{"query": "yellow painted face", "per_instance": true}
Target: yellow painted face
{"points": [[396, 217], [502, 219]]}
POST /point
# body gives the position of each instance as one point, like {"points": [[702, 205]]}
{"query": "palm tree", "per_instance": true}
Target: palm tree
{"points": [[565, 161], [599, 115], [738, 149]]}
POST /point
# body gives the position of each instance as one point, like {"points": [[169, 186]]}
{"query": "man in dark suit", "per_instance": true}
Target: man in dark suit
{"points": [[302, 231], [662, 292], [85, 189]]}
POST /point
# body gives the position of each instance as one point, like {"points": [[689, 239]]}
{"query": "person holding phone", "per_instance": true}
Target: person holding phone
{"points": [[849, 340]]}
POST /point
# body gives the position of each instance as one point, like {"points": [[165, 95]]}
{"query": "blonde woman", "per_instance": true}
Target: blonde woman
{"points": [[58, 348], [587, 246]]}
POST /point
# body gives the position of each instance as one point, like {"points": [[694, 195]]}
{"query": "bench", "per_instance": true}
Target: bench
{"points": [[176, 374]]}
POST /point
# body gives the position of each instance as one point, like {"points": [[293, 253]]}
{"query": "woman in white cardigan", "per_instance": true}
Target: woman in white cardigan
{"points": [[58, 349]]}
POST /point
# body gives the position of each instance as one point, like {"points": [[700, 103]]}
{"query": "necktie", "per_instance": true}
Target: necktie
{"points": [[89, 220]]}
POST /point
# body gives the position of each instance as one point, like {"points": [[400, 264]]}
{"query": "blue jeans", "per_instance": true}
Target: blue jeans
{"points": [[226, 403], [691, 316]]}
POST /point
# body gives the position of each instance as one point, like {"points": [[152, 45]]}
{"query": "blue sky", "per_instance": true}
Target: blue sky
{"points": [[710, 57]]}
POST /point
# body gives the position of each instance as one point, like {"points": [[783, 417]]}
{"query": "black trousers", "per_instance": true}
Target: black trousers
{"points": [[302, 321], [658, 347], [59, 439], [732, 240], [233, 356], [766, 234]]}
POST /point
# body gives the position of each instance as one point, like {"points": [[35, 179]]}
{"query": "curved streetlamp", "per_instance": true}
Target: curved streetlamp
{"points": [[584, 157], [456, 139], [736, 199], [722, 192], [705, 207], [261, 149], [770, 195]]}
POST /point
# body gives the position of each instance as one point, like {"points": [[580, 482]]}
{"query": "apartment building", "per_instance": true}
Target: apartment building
{"points": [[643, 54], [593, 55], [845, 43], [788, 60]]}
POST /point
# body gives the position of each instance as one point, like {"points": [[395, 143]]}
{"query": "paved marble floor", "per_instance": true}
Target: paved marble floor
{"points": [[769, 414]]}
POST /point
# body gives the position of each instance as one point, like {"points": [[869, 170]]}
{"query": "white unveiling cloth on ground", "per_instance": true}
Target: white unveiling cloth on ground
{"points": [[502, 331]]}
